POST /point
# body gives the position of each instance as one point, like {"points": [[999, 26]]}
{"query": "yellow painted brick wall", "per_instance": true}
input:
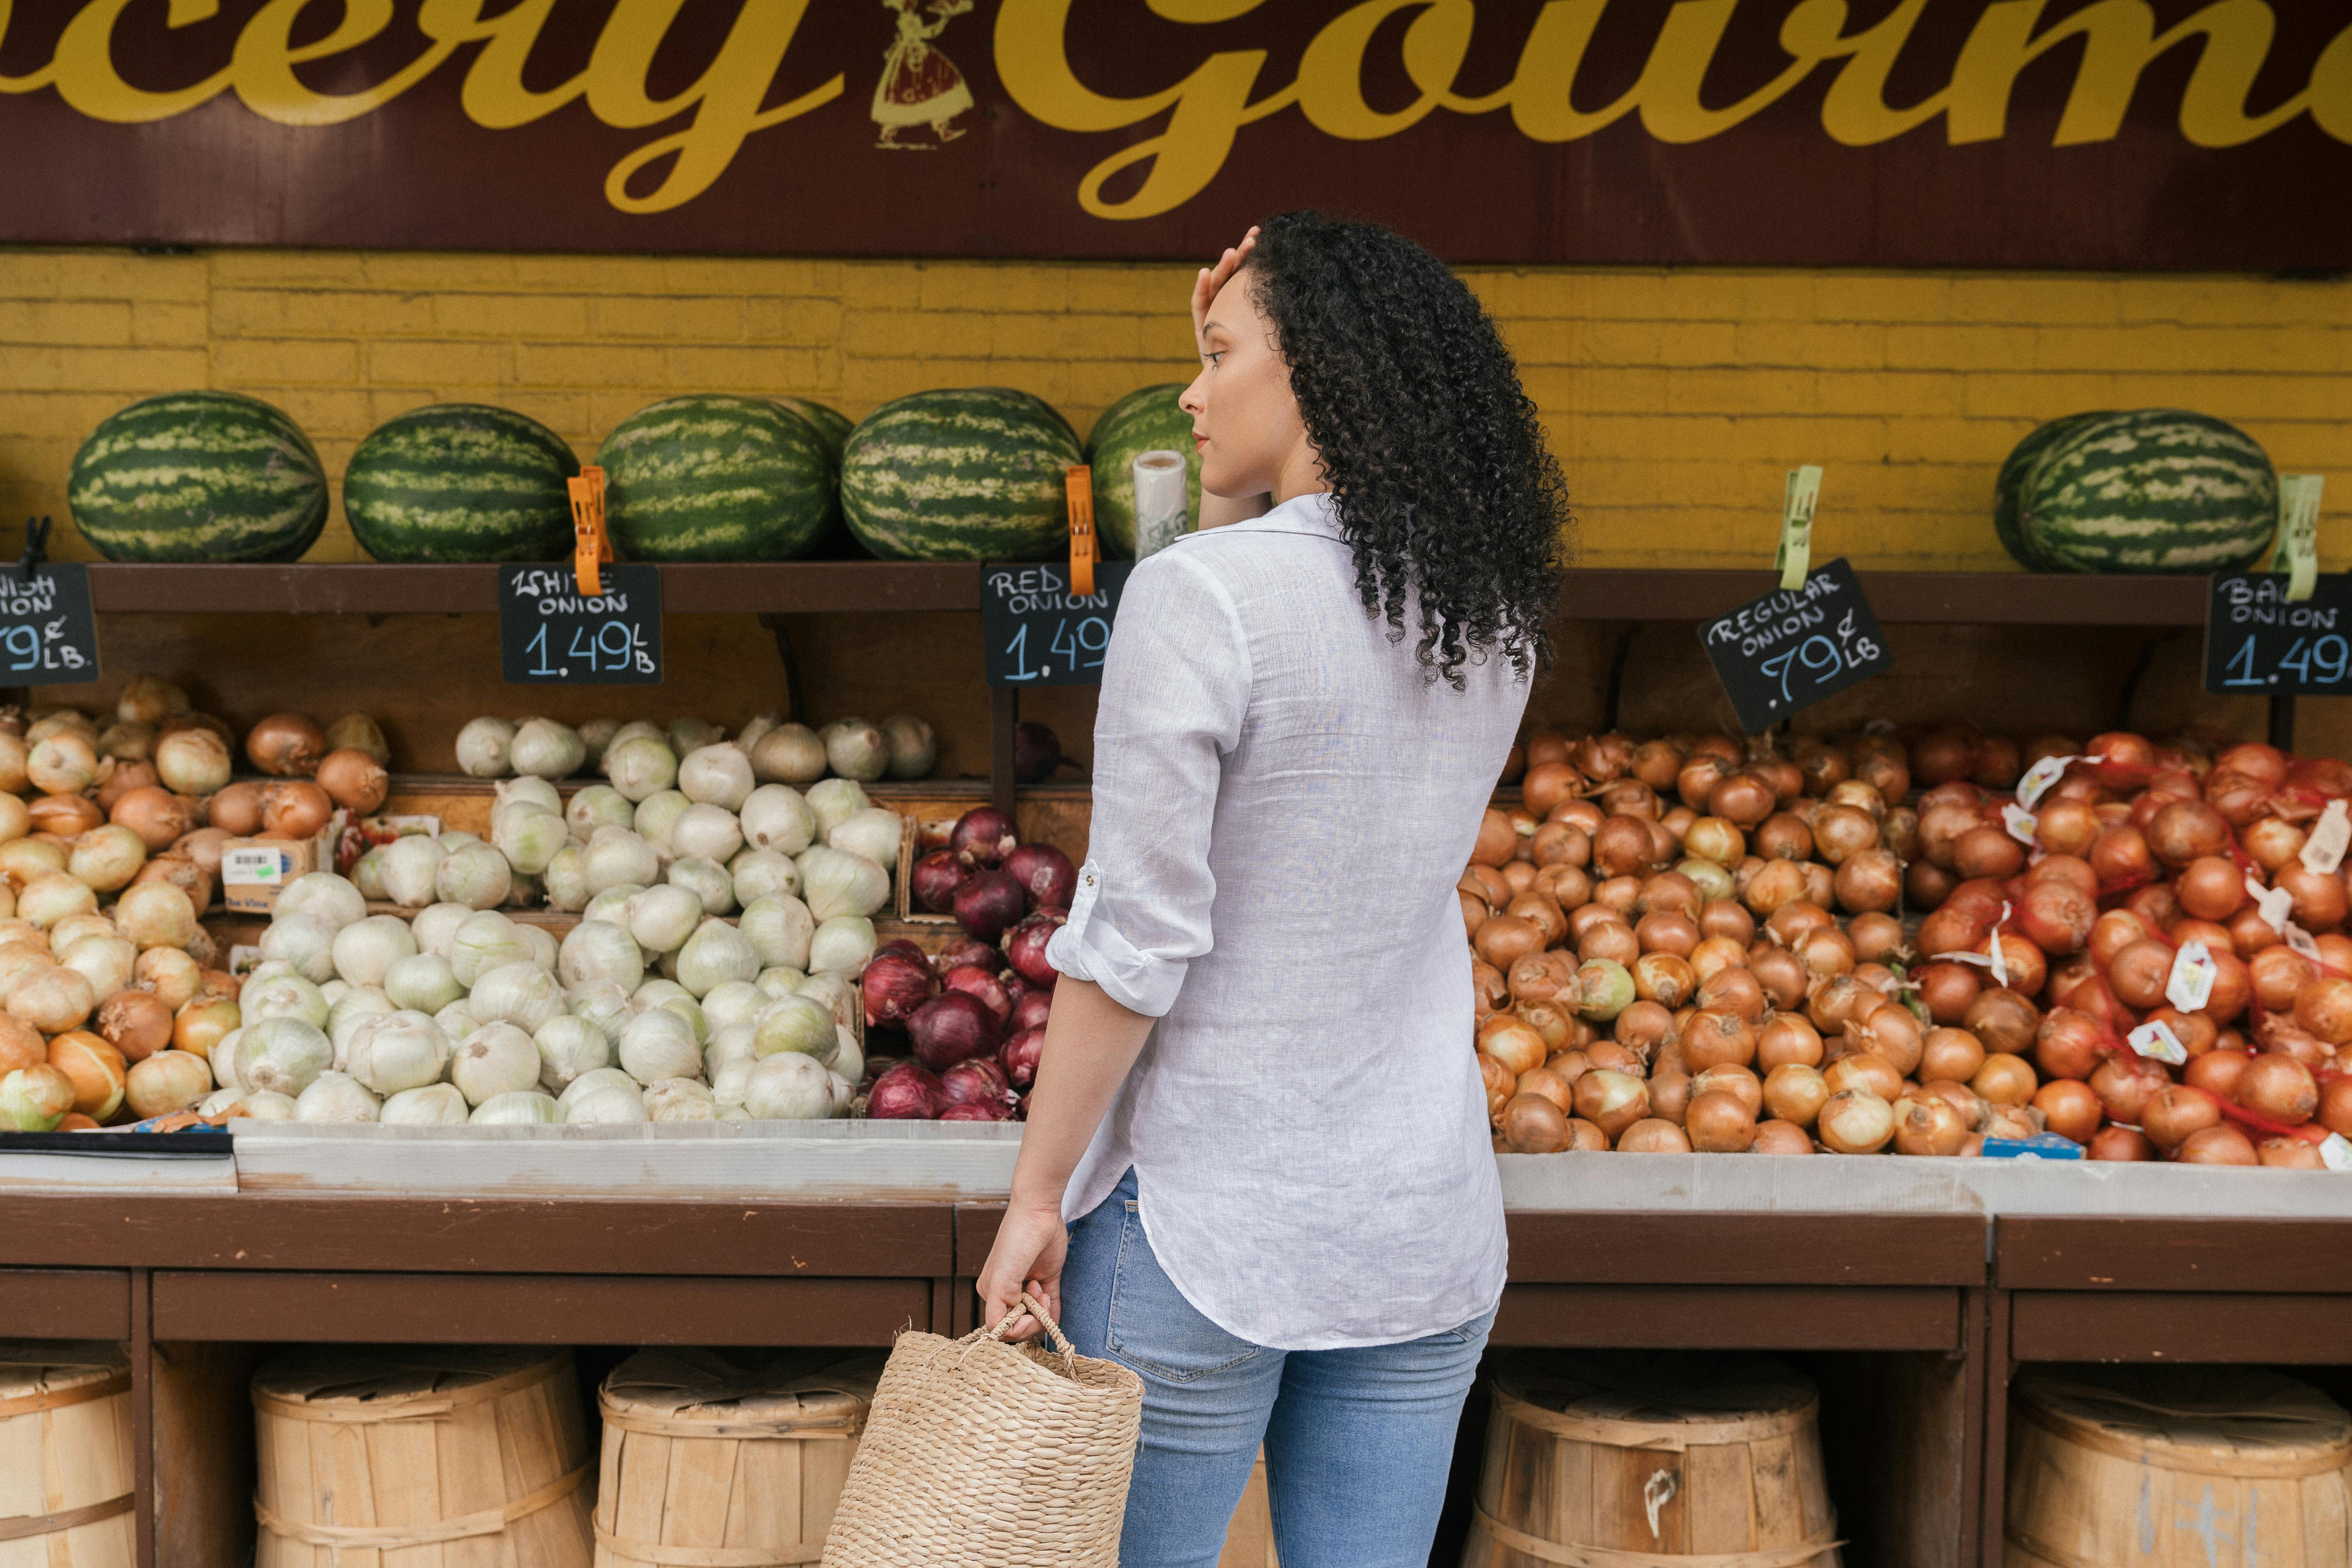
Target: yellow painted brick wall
{"points": [[1677, 398]]}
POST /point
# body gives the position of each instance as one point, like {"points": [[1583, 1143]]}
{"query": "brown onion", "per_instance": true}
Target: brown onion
{"points": [[1877, 938], [2271, 842], [1788, 1039], [1644, 1027], [2277, 1086], [2320, 896], [1870, 883], [2217, 1071], [1781, 1138], [1949, 989], [159, 817], [1988, 851], [2291, 1154], [2126, 1084], [1733, 989], [1860, 1069], [2070, 1043], [235, 810], [2070, 1109], [1722, 917], [1664, 978], [2217, 1146], [1718, 1123], [1715, 1037], [1498, 839], [1784, 836], [1652, 1135], [1855, 1122], [1622, 847], [2211, 887], [1512, 1043], [1889, 1032], [1546, 784], [1531, 1124], [355, 780], [1795, 1092], [1736, 1080], [2140, 971], [2173, 1115], [1776, 883], [1780, 975], [2120, 1143], [66, 816], [2005, 1079], [1928, 1125], [135, 1023], [1497, 1080], [296, 809], [285, 746], [1611, 1100], [1657, 762], [126, 777], [2182, 831]]}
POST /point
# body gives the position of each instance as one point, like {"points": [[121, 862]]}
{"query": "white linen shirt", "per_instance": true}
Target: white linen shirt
{"points": [[1283, 805]]}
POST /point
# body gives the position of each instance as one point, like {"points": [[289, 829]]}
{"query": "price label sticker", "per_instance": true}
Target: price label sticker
{"points": [[552, 634], [2040, 778], [2335, 1152], [48, 635], [2296, 552], [2323, 851], [2299, 941], [2191, 982], [255, 866], [2021, 824], [1778, 654], [1794, 557], [2156, 1041], [2273, 904]]}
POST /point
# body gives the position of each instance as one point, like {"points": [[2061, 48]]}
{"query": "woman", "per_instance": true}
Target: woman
{"points": [[1257, 1106]]}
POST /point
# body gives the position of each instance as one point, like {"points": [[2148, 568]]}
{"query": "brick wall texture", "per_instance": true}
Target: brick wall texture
{"points": [[1676, 399]]}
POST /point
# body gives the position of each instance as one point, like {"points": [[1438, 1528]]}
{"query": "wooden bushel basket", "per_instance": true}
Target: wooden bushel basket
{"points": [[64, 1456], [1634, 1461], [720, 1459], [421, 1457], [2176, 1467]]}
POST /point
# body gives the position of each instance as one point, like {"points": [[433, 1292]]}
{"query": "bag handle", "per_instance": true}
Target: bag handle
{"points": [[1036, 1309]]}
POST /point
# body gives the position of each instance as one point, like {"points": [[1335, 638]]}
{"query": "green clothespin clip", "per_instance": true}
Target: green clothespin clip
{"points": [[2296, 552], [1795, 556]]}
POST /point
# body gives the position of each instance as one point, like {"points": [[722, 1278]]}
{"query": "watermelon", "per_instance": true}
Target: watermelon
{"points": [[461, 481], [2013, 470], [198, 476], [2154, 489], [831, 424], [1145, 420], [710, 477], [975, 474]]}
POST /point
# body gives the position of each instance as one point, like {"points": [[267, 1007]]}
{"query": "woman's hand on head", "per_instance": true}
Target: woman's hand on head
{"points": [[1031, 1247], [1211, 278]]}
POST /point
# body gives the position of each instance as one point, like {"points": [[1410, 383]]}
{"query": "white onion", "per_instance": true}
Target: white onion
{"points": [[690, 733], [634, 728], [477, 876], [457, 1020], [601, 1001], [874, 832], [616, 855], [223, 1059], [913, 748], [399, 1050], [365, 950], [793, 1024], [282, 1055], [528, 838], [836, 882], [686, 1008], [608, 1106], [536, 791], [599, 951], [707, 880], [322, 896], [755, 727], [54, 895], [367, 876], [640, 766], [831, 991], [484, 747], [848, 1059], [566, 879], [336, 1097], [156, 915], [455, 840], [596, 735], [592, 1080], [763, 873], [522, 995], [779, 930], [436, 927], [613, 904], [728, 1082], [526, 1108], [680, 1099], [842, 945], [855, 749], [308, 945], [544, 950], [355, 1006], [598, 806], [717, 775], [495, 1059], [411, 866], [423, 982], [832, 801], [334, 991], [569, 1048], [732, 1044], [284, 996], [547, 749], [707, 833], [656, 992], [661, 918], [715, 955], [732, 1002], [789, 753], [433, 1105], [779, 980], [789, 1088], [261, 1105], [487, 941], [657, 814], [658, 1044], [360, 733]]}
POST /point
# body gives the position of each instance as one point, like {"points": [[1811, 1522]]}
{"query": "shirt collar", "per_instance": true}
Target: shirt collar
{"points": [[1312, 513]]}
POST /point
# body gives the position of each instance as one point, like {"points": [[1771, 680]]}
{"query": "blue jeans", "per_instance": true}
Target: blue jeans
{"points": [[1358, 1442]]}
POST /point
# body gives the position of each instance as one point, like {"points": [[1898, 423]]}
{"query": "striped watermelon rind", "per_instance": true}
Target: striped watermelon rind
{"points": [[963, 474], [461, 481], [198, 476], [715, 478], [2012, 480], [2149, 490], [1145, 420], [832, 426]]}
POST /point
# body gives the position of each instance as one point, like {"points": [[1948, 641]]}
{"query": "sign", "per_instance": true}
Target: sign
{"points": [[2260, 643], [2044, 134], [48, 635], [1778, 654], [1037, 632], [549, 632]]}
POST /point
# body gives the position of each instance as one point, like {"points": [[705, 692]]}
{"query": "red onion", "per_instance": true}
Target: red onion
{"points": [[980, 983], [1019, 1056], [952, 1026], [936, 879], [976, 1112], [894, 986], [1030, 1012], [968, 949], [907, 1092], [901, 947], [979, 1081], [1045, 874], [1024, 945], [1036, 753], [983, 837], [989, 905]]}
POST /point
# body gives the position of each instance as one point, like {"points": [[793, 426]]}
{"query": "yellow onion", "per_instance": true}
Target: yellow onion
{"points": [[106, 962], [96, 1069], [127, 741], [285, 746], [63, 815], [355, 780], [156, 914], [14, 752], [107, 857], [298, 809], [168, 1081], [357, 731], [182, 873], [170, 974], [53, 1000], [191, 762], [18, 964], [203, 1022], [204, 847], [35, 1099], [51, 896], [158, 816], [1855, 1122], [62, 764], [235, 810], [150, 699], [75, 927]]}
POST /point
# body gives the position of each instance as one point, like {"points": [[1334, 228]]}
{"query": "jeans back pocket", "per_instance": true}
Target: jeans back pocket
{"points": [[1152, 1327]]}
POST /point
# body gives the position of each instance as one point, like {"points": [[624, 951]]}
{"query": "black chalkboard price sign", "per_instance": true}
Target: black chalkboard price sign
{"points": [[1778, 654], [1037, 632], [2257, 642], [47, 634], [551, 634]]}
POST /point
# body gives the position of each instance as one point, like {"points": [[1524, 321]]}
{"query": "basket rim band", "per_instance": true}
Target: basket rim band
{"points": [[1535, 1546], [384, 1537], [19, 1526]]}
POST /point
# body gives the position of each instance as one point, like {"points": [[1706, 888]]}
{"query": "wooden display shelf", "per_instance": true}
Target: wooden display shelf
{"points": [[1917, 598]]}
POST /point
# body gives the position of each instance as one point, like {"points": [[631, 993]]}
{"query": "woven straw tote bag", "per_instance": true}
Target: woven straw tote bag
{"points": [[980, 1453]]}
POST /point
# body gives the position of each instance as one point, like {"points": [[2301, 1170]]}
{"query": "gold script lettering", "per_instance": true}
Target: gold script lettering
{"points": [[1667, 93], [32, 81], [87, 79], [266, 58], [494, 96], [1331, 72]]}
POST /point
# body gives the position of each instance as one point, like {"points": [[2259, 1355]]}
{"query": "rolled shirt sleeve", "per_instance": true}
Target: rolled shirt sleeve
{"points": [[1176, 684]]}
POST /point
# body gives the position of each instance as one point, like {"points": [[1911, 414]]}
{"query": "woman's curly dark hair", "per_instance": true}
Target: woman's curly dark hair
{"points": [[1437, 466]]}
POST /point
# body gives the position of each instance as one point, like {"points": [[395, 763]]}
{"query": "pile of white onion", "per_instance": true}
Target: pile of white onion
{"points": [[463, 1016], [901, 747]]}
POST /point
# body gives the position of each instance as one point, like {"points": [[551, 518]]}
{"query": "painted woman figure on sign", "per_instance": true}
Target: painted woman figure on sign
{"points": [[920, 86]]}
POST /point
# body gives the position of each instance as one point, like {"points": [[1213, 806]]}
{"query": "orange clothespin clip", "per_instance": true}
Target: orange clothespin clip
{"points": [[590, 547], [1085, 548]]}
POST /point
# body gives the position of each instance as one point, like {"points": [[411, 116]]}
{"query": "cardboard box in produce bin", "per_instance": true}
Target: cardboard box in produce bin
{"points": [[253, 869], [910, 849]]}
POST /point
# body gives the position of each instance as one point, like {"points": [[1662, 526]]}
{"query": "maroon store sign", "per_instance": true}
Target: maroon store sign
{"points": [[2107, 133]]}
